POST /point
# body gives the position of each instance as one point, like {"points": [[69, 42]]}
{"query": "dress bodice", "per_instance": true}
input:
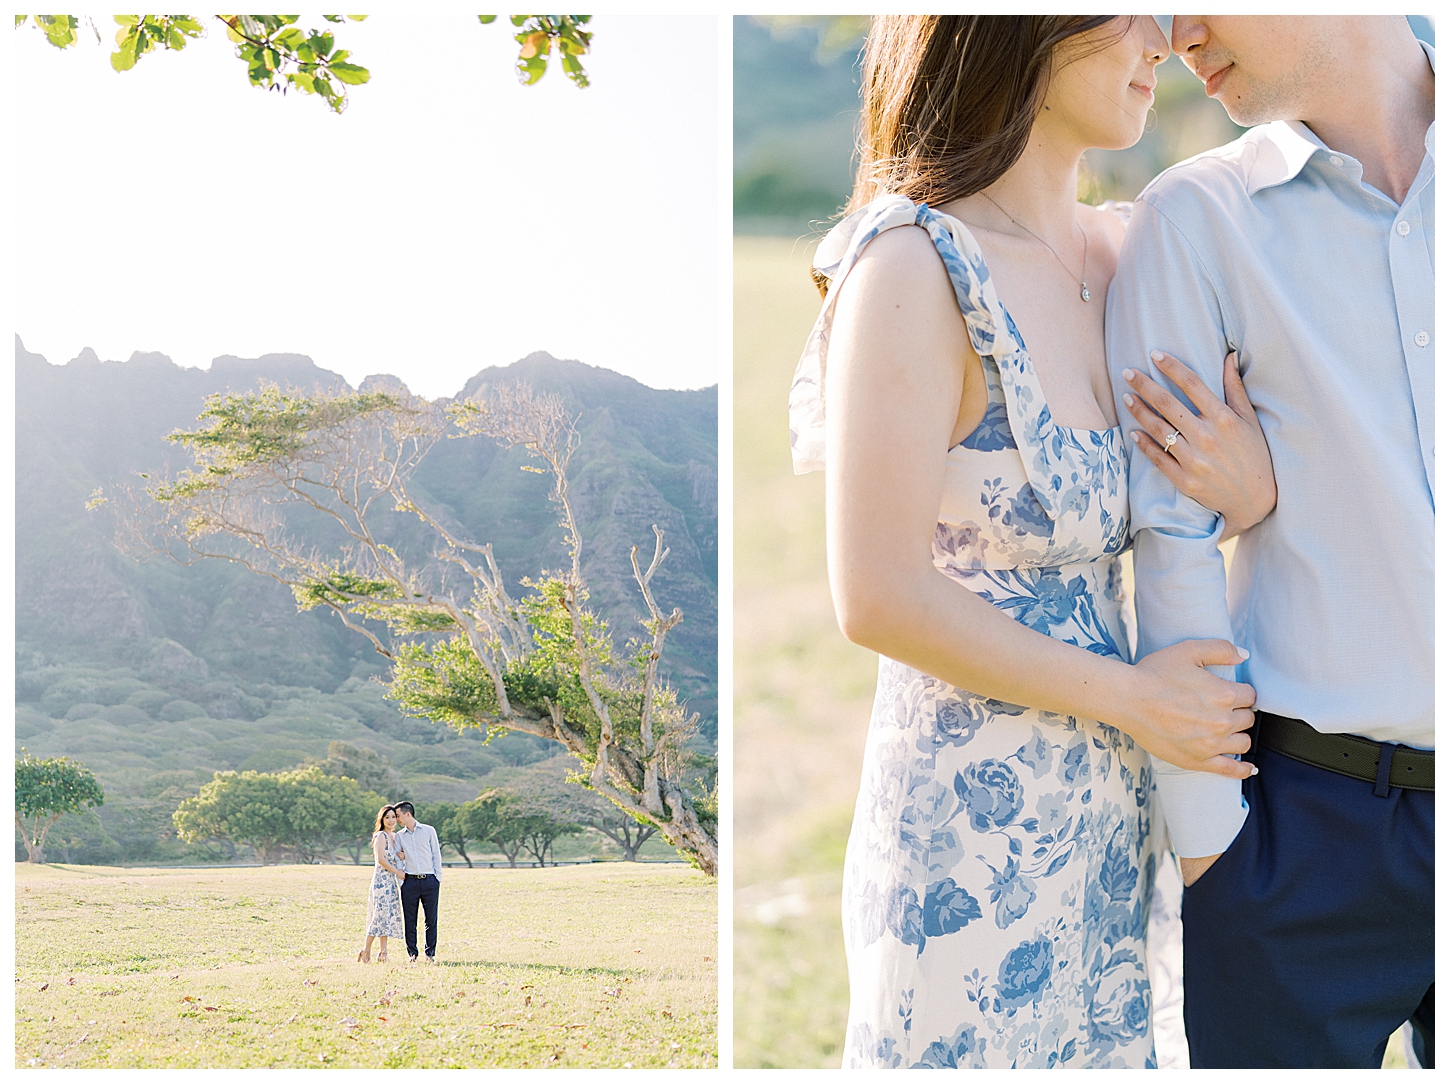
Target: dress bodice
{"points": [[1026, 503]]}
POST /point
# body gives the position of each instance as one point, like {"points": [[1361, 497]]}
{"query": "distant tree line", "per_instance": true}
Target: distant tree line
{"points": [[321, 811]]}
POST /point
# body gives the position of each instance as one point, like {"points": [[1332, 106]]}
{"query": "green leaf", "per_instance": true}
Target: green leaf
{"points": [[123, 20], [349, 73], [124, 58], [484, 19], [60, 30]]}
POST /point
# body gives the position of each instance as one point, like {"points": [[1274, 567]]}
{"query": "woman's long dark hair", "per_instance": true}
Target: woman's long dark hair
{"points": [[379, 826], [948, 101]]}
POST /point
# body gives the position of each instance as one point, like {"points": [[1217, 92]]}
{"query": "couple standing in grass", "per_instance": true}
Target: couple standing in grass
{"points": [[1018, 770], [408, 864]]}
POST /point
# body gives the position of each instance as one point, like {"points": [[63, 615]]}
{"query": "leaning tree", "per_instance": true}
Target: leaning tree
{"points": [[45, 790], [463, 650]]}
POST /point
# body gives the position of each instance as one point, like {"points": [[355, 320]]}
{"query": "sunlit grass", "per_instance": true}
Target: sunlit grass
{"points": [[584, 966], [802, 694]]}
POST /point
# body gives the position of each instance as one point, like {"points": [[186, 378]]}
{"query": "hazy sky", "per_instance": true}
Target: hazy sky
{"points": [[449, 220]]}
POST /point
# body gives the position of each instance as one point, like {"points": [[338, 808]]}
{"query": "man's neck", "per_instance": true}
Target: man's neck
{"points": [[1381, 117]]}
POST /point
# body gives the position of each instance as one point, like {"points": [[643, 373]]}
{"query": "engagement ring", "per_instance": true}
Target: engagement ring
{"points": [[1172, 440]]}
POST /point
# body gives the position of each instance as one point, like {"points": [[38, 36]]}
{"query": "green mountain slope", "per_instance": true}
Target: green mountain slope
{"points": [[157, 674]]}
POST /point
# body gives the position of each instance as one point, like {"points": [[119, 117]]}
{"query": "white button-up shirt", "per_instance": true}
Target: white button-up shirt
{"points": [[421, 853], [1275, 246]]}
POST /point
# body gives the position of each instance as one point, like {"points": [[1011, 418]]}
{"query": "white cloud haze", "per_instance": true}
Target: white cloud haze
{"points": [[449, 220]]}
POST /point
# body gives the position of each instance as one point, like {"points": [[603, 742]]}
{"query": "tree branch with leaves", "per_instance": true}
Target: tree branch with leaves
{"points": [[464, 651], [283, 56]]}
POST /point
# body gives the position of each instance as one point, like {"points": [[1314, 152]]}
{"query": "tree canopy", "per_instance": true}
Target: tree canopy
{"points": [[304, 811], [464, 652], [280, 55], [45, 790]]}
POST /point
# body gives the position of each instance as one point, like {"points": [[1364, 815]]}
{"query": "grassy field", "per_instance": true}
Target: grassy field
{"points": [[802, 694], [584, 966]]}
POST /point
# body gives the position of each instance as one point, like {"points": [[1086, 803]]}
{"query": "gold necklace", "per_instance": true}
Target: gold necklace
{"points": [[1081, 277]]}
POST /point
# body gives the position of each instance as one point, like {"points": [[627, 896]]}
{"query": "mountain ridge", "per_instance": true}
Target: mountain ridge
{"points": [[646, 456]]}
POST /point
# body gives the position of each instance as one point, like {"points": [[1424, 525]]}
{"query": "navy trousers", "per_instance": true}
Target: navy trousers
{"points": [[1313, 938], [425, 891]]}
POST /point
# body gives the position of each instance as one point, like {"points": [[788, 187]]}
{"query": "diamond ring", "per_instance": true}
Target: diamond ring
{"points": [[1172, 440]]}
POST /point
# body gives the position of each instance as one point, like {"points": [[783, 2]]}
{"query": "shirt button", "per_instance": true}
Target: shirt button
{"points": [[1422, 338], [1402, 228], [1336, 160]]}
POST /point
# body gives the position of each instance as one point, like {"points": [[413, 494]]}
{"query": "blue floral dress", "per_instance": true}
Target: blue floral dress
{"points": [[999, 872], [385, 901]]}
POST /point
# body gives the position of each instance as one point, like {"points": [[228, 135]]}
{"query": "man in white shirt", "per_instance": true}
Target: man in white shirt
{"points": [[423, 864], [1307, 246]]}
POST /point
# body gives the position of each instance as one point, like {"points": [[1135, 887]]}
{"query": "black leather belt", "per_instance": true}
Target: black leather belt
{"points": [[1346, 754], [420, 876]]}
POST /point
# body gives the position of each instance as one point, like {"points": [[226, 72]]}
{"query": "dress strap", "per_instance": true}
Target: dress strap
{"points": [[993, 336]]}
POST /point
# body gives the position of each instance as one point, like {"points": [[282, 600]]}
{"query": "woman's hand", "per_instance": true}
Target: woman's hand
{"points": [[1181, 713], [1220, 457]]}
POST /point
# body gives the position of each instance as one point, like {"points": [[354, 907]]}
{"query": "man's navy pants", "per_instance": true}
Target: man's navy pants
{"points": [[1313, 938]]}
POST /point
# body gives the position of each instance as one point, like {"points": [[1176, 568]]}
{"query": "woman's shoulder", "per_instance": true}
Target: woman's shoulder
{"points": [[1109, 219]]}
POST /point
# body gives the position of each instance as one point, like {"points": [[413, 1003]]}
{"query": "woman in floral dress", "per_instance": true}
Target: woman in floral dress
{"points": [[1000, 865], [385, 904]]}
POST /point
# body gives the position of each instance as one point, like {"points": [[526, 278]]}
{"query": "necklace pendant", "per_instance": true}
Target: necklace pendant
{"points": [[1086, 296]]}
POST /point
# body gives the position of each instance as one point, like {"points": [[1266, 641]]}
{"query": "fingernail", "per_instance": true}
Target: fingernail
{"points": [[1156, 355], [1243, 654], [1253, 769], [1137, 438], [1127, 400], [1130, 374]]}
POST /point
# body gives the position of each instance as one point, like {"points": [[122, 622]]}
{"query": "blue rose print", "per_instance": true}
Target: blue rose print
{"points": [[1119, 873], [962, 1051], [862, 1045], [991, 792], [1012, 893], [993, 433], [1026, 515], [1053, 604], [868, 916], [957, 722], [1119, 1003], [1075, 764], [1023, 975], [947, 908], [903, 917], [1036, 754]]}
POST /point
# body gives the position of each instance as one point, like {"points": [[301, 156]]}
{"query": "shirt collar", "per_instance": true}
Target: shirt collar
{"points": [[1285, 147]]}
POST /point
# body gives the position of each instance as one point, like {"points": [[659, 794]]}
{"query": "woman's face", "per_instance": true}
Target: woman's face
{"points": [[1102, 88], [390, 820]]}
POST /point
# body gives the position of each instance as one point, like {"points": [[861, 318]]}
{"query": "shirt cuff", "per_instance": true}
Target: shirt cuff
{"points": [[1203, 811]]}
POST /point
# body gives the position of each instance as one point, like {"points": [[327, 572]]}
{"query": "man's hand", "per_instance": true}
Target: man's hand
{"points": [[1194, 868]]}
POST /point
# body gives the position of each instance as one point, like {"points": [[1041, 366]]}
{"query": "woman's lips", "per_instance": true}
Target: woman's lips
{"points": [[1144, 88]]}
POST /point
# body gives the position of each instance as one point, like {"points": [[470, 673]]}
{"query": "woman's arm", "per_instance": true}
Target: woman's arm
{"points": [[898, 357], [380, 852]]}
